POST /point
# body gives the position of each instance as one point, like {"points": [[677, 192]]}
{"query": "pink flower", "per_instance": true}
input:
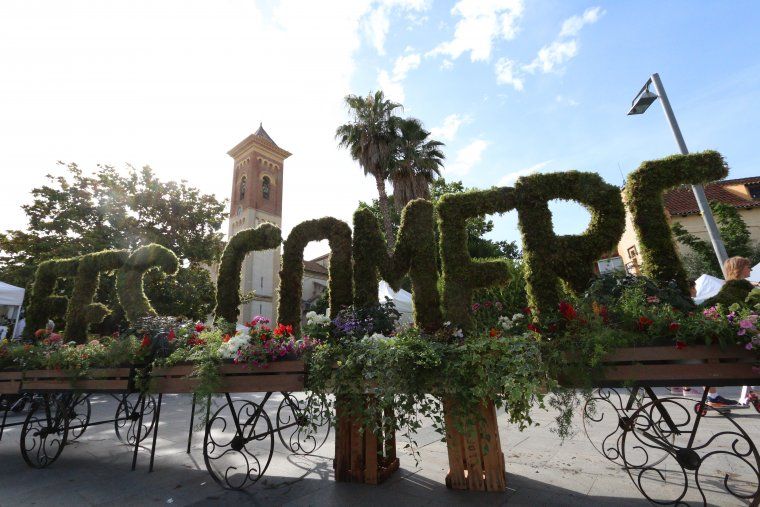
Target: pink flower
{"points": [[741, 332], [748, 346], [746, 324]]}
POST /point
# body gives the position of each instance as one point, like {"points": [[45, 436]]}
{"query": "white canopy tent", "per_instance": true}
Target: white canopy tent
{"points": [[401, 299], [12, 296]]}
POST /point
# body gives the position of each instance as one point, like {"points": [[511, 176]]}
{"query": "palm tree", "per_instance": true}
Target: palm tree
{"points": [[371, 137], [417, 162]]}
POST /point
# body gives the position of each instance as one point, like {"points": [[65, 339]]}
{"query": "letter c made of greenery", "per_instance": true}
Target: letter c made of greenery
{"points": [[129, 279], [264, 237]]}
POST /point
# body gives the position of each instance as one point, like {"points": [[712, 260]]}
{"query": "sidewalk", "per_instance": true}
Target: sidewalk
{"points": [[540, 471]]}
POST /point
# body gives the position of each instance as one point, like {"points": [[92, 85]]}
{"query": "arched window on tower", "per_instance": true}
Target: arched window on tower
{"points": [[265, 183], [243, 186]]}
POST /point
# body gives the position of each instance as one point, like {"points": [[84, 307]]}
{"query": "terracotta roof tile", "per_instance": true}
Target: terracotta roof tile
{"points": [[680, 201], [314, 267]]}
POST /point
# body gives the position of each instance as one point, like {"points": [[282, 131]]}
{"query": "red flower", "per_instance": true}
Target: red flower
{"points": [[534, 328], [171, 335], [282, 329], [493, 332], [553, 327], [199, 327], [226, 338], [146, 341], [680, 345], [567, 310], [526, 310], [644, 323], [673, 327]]}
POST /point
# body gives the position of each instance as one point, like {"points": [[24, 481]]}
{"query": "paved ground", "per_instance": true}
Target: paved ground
{"points": [[96, 470]]}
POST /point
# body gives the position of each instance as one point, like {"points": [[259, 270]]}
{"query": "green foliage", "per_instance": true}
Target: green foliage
{"points": [[462, 274], [549, 258], [512, 295], [78, 212], [733, 232], [338, 235], [414, 254], [610, 288], [733, 291], [81, 311], [477, 227], [416, 163], [43, 302], [644, 191], [129, 279], [180, 295], [263, 237]]}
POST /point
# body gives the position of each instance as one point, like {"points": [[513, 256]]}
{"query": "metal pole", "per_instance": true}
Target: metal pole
{"points": [[699, 191]]}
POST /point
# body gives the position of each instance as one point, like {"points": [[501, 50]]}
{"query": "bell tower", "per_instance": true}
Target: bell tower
{"points": [[257, 198]]}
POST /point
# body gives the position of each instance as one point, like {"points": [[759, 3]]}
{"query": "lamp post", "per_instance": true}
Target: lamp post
{"points": [[641, 103]]}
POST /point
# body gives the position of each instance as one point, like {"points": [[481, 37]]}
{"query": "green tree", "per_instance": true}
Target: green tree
{"points": [[736, 238], [370, 137], [479, 247], [75, 214], [416, 164]]}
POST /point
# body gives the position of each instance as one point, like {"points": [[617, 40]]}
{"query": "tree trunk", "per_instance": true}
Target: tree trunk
{"points": [[390, 238]]}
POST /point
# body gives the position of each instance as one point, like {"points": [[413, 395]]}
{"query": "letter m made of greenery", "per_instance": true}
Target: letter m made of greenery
{"points": [[414, 253]]}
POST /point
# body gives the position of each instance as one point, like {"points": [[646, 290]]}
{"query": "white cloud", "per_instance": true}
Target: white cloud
{"points": [[377, 23], [573, 25], [511, 178], [508, 72], [448, 131], [466, 158], [565, 101], [447, 64], [482, 22], [392, 84], [101, 91], [551, 56]]}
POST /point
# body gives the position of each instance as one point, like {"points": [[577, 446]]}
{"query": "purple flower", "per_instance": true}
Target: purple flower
{"points": [[746, 324], [741, 332], [748, 346]]}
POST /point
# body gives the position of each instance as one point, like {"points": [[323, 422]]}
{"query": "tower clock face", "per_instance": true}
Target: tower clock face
{"points": [[239, 210]]}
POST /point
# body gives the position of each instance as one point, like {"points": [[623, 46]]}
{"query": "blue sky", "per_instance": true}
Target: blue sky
{"points": [[510, 86]]}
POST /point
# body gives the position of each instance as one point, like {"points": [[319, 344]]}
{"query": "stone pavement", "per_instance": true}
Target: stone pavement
{"points": [[540, 470]]}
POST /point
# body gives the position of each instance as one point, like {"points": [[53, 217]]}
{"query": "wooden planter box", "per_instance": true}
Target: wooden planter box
{"points": [[476, 461], [360, 455], [98, 379], [282, 376], [669, 366], [10, 382]]}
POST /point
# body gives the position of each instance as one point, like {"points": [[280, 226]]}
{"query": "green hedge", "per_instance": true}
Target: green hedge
{"points": [[414, 253], [129, 279], [461, 274], [43, 305], [644, 191], [550, 258], [81, 311], [264, 237], [338, 234]]}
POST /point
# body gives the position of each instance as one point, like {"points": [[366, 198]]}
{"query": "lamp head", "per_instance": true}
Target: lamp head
{"points": [[642, 101]]}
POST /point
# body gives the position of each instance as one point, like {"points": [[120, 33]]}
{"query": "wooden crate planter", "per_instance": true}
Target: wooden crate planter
{"points": [[281, 376], [362, 456], [98, 379], [476, 461], [10, 382], [669, 366]]}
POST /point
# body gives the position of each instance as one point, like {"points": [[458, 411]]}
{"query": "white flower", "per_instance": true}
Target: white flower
{"points": [[315, 319], [458, 334], [517, 316], [505, 322], [230, 349], [447, 323], [310, 315]]}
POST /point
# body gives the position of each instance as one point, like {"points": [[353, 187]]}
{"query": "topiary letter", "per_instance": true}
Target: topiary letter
{"points": [[42, 303], [461, 274], [338, 234], [129, 279], [549, 257], [81, 311], [644, 191], [414, 253], [264, 237]]}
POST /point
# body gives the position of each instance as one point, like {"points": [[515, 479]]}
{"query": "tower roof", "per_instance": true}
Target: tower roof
{"points": [[261, 139], [263, 134]]}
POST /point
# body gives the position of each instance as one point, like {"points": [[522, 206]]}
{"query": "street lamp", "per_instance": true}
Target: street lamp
{"points": [[640, 103]]}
